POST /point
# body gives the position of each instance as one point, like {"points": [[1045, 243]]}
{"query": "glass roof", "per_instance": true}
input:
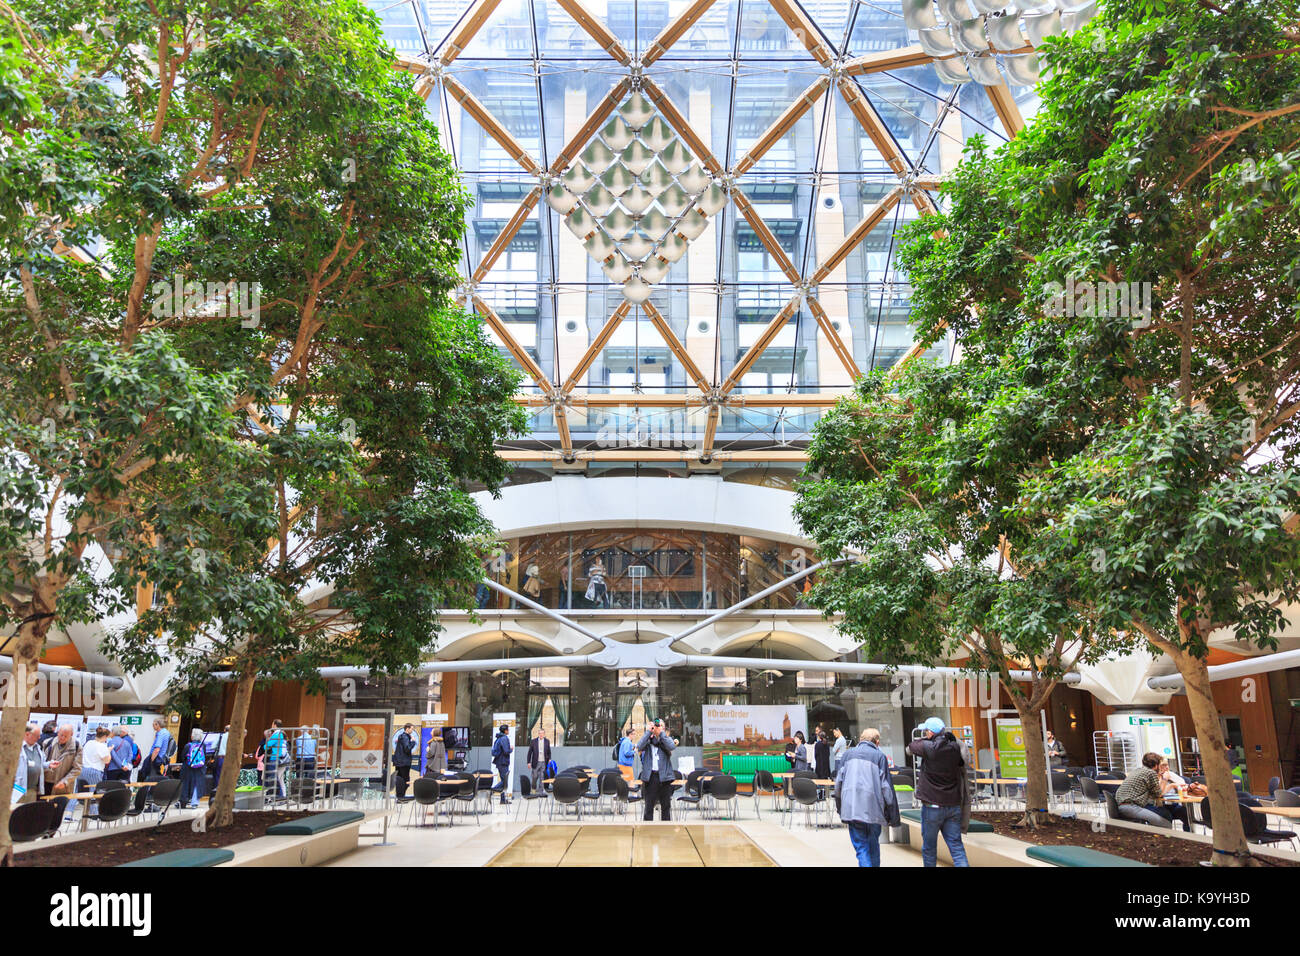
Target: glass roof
{"points": [[823, 122]]}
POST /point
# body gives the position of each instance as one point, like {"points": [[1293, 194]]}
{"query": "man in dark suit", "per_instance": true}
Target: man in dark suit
{"points": [[539, 755], [656, 750]]}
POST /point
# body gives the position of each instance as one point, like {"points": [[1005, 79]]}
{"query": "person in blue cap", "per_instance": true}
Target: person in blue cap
{"points": [[941, 790]]}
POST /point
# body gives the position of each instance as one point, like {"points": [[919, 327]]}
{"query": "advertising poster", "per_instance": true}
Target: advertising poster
{"points": [[430, 724], [750, 728], [1011, 747], [512, 722], [362, 746]]}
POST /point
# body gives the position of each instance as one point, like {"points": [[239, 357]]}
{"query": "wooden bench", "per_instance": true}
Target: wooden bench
{"points": [[1078, 856], [197, 856], [316, 823]]}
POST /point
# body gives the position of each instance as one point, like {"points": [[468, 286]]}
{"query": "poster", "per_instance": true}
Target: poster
{"points": [[512, 723], [430, 724], [750, 728], [1011, 748], [362, 746]]}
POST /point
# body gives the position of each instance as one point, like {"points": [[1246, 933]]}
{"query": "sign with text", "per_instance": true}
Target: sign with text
{"points": [[363, 745], [1011, 747], [751, 728]]}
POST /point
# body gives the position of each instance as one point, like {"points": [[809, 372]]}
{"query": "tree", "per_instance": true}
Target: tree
{"points": [[903, 476], [257, 348], [1146, 222]]}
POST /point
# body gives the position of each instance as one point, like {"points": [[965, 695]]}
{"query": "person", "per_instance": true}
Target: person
{"points": [[866, 796], [656, 750], [220, 751], [48, 733], [95, 757], [63, 759], [800, 761], [501, 750], [120, 754], [822, 757], [539, 755], [627, 756], [1141, 796], [304, 752], [597, 593], [156, 762], [403, 748], [837, 750], [435, 755], [789, 753], [193, 760], [1055, 750], [942, 792], [276, 757], [29, 778]]}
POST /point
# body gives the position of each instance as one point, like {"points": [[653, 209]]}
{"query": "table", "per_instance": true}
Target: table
{"points": [[1291, 813]]}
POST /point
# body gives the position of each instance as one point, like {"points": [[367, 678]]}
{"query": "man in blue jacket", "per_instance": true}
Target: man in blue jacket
{"points": [[866, 795], [501, 750]]}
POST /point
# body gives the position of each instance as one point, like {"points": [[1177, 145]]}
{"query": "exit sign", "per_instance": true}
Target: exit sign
{"points": [[136, 719]]}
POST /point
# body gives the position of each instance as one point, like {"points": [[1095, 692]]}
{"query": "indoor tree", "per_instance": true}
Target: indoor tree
{"points": [[229, 238]]}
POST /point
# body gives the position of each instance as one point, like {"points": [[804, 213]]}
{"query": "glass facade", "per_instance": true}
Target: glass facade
{"points": [[646, 569], [524, 85]]}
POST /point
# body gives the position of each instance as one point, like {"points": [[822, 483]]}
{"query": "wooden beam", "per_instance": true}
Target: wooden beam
{"points": [[521, 355], [674, 31], [804, 29], [765, 235], [468, 30], [588, 129], [873, 125], [598, 343], [710, 431], [659, 322], [887, 60], [782, 125], [562, 426], [1004, 104], [762, 342], [597, 30], [476, 109], [860, 232], [507, 234], [842, 351], [680, 125]]}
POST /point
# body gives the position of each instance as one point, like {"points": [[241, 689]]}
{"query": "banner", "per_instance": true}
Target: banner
{"points": [[430, 724], [363, 747], [1011, 747], [751, 728]]}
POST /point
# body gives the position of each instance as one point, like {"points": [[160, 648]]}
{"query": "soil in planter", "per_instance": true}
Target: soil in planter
{"points": [[124, 845], [1153, 848]]}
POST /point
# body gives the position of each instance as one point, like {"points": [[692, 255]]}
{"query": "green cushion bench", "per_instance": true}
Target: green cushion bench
{"points": [[316, 823], [743, 766], [976, 826], [198, 856], [1078, 856]]}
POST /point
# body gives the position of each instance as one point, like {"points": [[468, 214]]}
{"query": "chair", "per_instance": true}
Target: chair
{"points": [[803, 792], [1285, 798], [1091, 792], [526, 795], [605, 787], [1061, 784], [467, 791], [426, 792], [56, 817], [567, 792], [763, 783], [138, 804], [1112, 807], [1274, 783], [692, 793], [104, 786], [30, 821], [625, 794], [722, 789], [112, 806], [1256, 828], [482, 786], [163, 794]]}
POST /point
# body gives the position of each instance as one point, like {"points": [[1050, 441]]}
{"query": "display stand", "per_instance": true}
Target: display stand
{"points": [[362, 753]]}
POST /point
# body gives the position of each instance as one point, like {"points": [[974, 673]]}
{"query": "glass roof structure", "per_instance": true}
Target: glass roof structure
{"points": [[781, 146]]}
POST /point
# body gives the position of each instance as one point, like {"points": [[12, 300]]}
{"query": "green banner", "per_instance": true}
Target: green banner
{"points": [[1011, 748]]}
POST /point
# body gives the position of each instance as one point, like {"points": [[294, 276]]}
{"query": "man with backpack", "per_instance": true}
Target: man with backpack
{"points": [[501, 751], [159, 751]]}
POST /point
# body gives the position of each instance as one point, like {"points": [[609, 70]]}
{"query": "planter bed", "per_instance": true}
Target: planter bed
{"points": [[1159, 848], [122, 845]]}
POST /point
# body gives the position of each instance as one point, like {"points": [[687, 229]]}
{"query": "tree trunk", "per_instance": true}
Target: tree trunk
{"points": [[1036, 791], [1231, 848], [221, 811], [13, 717]]}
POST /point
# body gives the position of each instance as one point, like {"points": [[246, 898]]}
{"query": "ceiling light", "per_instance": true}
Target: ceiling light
{"points": [[619, 224], [673, 247], [618, 179], [599, 245], [637, 157], [597, 156], [674, 200], [636, 200], [580, 222], [657, 134], [579, 178], [654, 223], [636, 246], [617, 268], [675, 157]]}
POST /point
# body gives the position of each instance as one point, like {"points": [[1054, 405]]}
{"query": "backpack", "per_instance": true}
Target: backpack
{"points": [[171, 748], [194, 759], [616, 749], [135, 753]]}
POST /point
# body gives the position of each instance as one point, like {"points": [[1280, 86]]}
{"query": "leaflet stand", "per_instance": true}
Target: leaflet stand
{"points": [[382, 764]]}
